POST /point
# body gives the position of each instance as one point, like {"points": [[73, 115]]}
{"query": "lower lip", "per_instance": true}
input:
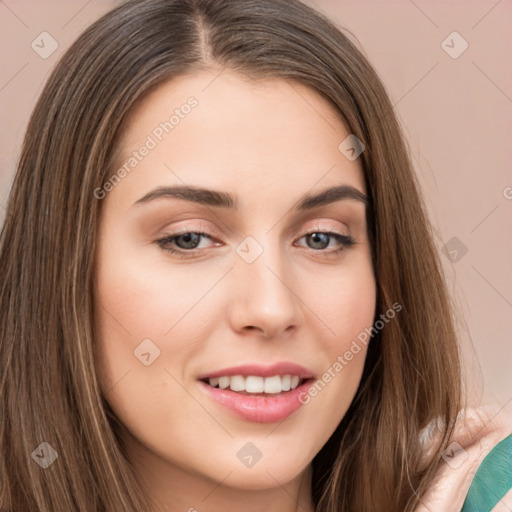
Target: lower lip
{"points": [[259, 409]]}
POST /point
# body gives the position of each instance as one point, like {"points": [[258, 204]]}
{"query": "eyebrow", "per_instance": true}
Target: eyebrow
{"points": [[228, 201]]}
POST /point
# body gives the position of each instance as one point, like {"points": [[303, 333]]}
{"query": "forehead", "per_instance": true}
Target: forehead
{"points": [[226, 131]]}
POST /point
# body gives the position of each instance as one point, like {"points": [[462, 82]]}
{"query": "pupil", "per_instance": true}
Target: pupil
{"points": [[320, 238], [191, 240]]}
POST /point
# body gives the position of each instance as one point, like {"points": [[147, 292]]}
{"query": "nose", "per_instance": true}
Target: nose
{"points": [[264, 300]]}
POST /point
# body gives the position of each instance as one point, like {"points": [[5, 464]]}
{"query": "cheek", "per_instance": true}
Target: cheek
{"points": [[139, 307], [346, 309], [346, 306], [144, 300], [145, 307]]}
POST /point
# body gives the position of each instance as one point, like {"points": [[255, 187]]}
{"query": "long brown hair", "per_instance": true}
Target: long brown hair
{"points": [[49, 390]]}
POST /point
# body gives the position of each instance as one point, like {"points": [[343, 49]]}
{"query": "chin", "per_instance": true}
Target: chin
{"points": [[259, 480]]}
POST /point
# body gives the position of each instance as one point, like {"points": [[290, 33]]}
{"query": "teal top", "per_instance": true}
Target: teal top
{"points": [[493, 480]]}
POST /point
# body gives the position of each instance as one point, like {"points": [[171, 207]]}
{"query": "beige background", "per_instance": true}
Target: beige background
{"points": [[456, 112]]}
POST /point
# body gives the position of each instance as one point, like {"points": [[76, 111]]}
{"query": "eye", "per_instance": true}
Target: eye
{"points": [[320, 240], [188, 243]]}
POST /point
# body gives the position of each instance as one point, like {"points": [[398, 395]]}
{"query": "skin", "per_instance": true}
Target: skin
{"points": [[269, 143]]}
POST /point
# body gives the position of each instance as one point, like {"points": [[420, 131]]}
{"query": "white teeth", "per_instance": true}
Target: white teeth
{"points": [[237, 383], [273, 384], [256, 384], [223, 382], [285, 382]]}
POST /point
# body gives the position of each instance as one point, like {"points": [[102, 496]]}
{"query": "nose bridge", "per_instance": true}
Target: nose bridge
{"points": [[264, 296]]}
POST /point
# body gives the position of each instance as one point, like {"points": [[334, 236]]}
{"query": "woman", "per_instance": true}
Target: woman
{"points": [[221, 289]]}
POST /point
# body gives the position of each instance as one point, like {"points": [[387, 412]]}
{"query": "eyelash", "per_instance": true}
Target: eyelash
{"points": [[346, 242]]}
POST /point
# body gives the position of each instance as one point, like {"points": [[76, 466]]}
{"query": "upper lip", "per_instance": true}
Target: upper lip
{"points": [[283, 368]]}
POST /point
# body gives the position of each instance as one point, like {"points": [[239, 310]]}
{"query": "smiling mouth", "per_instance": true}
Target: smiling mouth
{"points": [[255, 385]]}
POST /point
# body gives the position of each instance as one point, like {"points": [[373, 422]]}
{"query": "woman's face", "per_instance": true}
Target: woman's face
{"points": [[254, 300]]}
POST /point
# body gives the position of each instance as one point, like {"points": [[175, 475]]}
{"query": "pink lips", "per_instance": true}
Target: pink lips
{"points": [[262, 371], [260, 409]]}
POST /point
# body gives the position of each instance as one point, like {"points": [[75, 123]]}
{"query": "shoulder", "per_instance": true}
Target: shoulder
{"points": [[479, 434]]}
